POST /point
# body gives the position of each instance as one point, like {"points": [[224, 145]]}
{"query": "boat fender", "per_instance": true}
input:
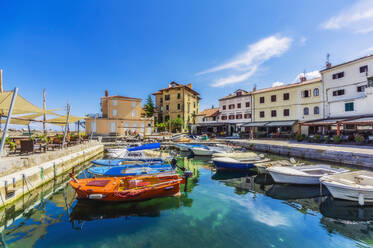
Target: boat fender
{"points": [[361, 199], [95, 196]]}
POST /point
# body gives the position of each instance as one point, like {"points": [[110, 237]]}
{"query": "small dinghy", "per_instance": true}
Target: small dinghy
{"points": [[132, 170], [186, 147], [235, 154], [308, 174], [123, 189], [353, 186], [263, 166], [125, 161], [206, 150], [226, 163]]}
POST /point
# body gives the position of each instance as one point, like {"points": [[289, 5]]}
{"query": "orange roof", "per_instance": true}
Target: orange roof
{"points": [[209, 112], [287, 86], [176, 86]]}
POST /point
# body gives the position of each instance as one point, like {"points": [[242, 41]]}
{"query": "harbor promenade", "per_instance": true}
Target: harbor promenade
{"points": [[338, 153]]}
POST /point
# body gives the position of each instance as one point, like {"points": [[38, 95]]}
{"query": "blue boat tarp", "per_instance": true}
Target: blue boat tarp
{"points": [[130, 170], [116, 162], [145, 147]]}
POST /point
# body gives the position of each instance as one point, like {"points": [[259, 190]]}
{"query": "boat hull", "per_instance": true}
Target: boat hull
{"points": [[221, 165], [201, 152], [347, 193], [293, 179]]}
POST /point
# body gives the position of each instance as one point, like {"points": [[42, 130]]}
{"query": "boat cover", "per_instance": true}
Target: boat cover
{"points": [[145, 147], [130, 170]]}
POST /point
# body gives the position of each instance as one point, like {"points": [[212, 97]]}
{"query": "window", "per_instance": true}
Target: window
{"points": [[224, 107], [306, 111], [261, 99], [133, 104], [115, 112], [261, 114], [178, 116], [178, 96], [231, 106], [178, 106], [166, 118], [349, 106], [361, 88], [273, 98], [133, 113], [238, 105], [239, 116], [305, 93], [223, 117], [338, 75], [363, 69], [167, 107], [194, 104], [239, 93], [273, 113], [286, 112], [247, 104], [286, 96], [247, 116], [161, 100], [231, 117], [370, 82], [316, 92], [316, 110], [338, 92], [167, 97], [115, 102]]}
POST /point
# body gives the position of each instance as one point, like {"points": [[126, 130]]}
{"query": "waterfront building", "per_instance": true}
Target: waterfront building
{"points": [[177, 101], [120, 115], [348, 88], [235, 110], [207, 122], [277, 110], [348, 96]]}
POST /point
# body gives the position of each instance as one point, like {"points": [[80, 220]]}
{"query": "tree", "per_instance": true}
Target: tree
{"points": [[149, 107], [176, 124]]}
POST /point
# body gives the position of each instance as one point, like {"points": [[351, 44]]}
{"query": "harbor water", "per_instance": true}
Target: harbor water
{"points": [[218, 210]]}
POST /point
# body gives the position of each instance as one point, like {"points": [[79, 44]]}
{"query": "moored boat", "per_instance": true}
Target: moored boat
{"points": [[125, 161], [236, 154], [309, 174], [124, 189], [353, 186], [130, 170], [206, 150], [226, 163]]}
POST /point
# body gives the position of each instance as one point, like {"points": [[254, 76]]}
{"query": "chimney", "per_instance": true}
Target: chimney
{"points": [[254, 88], [1, 81], [303, 78], [106, 93], [328, 65], [189, 86]]}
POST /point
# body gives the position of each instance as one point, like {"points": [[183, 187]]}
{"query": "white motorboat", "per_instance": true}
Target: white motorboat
{"points": [[352, 186], [236, 155], [206, 150], [308, 174], [226, 163], [263, 166]]}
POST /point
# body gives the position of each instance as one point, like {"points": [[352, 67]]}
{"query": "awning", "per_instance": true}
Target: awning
{"points": [[255, 124], [364, 121], [324, 122], [61, 120], [281, 124]]}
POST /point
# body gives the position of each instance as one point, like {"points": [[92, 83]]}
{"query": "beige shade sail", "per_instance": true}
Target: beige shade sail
{"points": [[61, 120], [22, 120]]}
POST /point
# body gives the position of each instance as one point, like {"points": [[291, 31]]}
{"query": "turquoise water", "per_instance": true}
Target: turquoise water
{"points": [[219, 210]]}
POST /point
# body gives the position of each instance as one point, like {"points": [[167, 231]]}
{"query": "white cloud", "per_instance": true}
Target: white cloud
{"points": [[357, 18], [369, 50], [308, 75], [275, 84], [303, 41], [246, 64]]}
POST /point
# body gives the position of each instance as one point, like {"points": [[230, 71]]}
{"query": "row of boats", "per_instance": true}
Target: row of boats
{"points": [[130, 177], [341, 183]]}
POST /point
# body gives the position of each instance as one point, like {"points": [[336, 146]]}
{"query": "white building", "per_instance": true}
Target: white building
{"points": [[235, 110], [348, 88]]}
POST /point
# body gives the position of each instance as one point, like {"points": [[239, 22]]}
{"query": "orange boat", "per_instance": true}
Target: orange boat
{"points": [[134, 188]]}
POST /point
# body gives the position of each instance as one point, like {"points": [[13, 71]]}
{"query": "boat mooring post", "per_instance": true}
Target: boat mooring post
{"points": [[66, 126], [15, 92]]}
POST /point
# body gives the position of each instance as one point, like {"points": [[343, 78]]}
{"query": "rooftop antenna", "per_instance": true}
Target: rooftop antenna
{"points": [[327, 58]]}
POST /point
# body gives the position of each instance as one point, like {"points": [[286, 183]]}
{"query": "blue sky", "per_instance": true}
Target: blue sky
{"points": [[77, 49]]}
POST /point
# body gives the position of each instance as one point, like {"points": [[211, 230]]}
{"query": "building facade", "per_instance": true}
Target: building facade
{"points": [[278, 109], [348, 88], [177, 101], [120, 115], [235, 110], [207, 122]]}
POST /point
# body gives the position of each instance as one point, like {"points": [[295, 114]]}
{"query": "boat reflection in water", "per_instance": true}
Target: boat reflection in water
{"points": [[293, 192], [86, 210], [348, 218]]}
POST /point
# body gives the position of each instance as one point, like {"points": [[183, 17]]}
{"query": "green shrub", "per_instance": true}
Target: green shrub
{"points": [[359, 139], [337, 139], [327, 139], [251, 145], [317, 138], [299, 137]]}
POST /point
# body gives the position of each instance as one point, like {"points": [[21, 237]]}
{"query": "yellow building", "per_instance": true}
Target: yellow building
{"points": [[278, 109], [121, 115], [177, 101]]}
